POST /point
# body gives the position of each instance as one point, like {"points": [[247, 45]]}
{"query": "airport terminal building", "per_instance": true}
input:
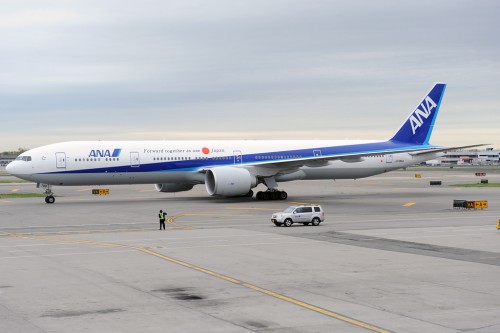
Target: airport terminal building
{"points": [[6, 159], [488, 156]]}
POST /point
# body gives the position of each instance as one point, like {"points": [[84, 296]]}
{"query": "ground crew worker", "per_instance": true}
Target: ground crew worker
{"points": [[162, 216]]}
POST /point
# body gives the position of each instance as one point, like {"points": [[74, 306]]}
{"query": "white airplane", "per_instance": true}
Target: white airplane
{"points": [[230, 168]]}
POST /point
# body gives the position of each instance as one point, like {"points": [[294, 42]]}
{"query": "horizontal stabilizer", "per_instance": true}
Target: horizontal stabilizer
{"points": [[440, 150]]}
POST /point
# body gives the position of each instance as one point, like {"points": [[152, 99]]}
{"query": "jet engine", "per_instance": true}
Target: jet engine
{"points": [[229, 181], [173, 187]]}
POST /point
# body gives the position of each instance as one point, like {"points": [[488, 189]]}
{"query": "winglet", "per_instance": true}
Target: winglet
{"points": [[417, 128]]}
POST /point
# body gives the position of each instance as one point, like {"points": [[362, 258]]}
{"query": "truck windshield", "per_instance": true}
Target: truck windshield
{"points": [[289, 209]]}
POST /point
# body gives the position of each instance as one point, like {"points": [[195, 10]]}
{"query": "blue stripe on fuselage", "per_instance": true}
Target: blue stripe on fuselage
{"points": [[254, 159]]}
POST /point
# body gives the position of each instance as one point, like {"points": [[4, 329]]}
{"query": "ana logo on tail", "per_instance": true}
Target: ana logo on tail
{"points": [[423, 112]]}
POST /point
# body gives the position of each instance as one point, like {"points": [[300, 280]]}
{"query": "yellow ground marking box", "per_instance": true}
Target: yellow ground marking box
{"points": [[481, 204], [102, 191]]}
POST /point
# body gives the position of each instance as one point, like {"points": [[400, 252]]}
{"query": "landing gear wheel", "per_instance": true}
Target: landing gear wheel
{"points": [[50, 199], [263, 195], [272, 195], [250, 194], [287, 223], [316, 221]]}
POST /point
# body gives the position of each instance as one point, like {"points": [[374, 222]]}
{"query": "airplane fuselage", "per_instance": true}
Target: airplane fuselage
{"points": [[152, 162]]}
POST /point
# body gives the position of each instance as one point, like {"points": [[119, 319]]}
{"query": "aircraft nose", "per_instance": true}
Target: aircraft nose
{"points": [[10, 168]]}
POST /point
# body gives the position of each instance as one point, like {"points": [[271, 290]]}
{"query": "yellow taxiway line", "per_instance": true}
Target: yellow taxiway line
{"points": [[291, 300]]}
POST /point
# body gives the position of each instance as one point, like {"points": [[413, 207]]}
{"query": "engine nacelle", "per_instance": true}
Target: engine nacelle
{"points": [[173, 187], [229, 181]]}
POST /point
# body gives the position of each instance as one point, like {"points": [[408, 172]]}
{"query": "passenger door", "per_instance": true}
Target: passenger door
{"points": [[307, 213], [238, 159], [61, 160], [134, 159], [297, 215]]}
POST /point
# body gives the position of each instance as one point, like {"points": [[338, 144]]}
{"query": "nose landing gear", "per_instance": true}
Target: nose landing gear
{"points": [[50, 199]]}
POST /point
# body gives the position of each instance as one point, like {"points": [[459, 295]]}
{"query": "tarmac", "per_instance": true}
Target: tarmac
{"points": [[393, 255]]}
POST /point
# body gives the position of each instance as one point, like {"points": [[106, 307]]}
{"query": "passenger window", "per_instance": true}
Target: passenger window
{"points": [[307, 210], [316, 209], [298, 210]]}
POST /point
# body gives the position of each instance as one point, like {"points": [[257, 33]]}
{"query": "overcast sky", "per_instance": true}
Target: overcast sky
{"points": [[145, 70]]}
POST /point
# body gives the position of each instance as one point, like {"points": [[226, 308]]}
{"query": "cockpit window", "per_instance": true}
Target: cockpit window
{"points": [[23, 158]]}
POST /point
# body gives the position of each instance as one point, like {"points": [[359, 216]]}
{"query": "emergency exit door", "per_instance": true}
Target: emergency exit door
{"points": [[238, 159], [61, 160], [134, 159]]}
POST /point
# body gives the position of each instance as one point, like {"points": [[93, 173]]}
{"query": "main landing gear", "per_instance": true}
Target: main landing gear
{"points": [[272, 195]]}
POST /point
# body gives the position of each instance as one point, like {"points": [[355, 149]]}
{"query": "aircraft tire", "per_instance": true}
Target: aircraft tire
{"points": [[50, 199], [277, 195], [263, 195]]}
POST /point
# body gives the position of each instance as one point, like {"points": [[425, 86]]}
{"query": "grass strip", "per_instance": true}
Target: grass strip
{"points": [[477, 185], [10, 181], [455, 168], [21, 195]]}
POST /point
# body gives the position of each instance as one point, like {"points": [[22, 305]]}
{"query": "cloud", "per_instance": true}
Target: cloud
{"points": [[277, 69]]}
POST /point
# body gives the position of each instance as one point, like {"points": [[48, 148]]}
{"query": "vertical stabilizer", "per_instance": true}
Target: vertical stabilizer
{"points": [[417, 128]]}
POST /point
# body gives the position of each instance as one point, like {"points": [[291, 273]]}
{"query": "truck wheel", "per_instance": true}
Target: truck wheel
{"points": [[287, 223], [316, 221]]}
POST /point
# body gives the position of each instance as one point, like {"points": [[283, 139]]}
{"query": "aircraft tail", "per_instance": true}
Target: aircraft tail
{"points": [[417, 128]]}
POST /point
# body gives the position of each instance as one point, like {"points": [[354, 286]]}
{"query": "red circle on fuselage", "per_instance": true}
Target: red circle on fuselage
{"points": [[205, 150]]}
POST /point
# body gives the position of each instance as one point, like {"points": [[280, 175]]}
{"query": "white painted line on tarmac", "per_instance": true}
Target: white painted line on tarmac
{"points": [[66, 254]]}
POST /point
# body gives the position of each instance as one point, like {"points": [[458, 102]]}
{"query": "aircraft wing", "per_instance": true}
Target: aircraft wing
{"points": [[318, 161], [267, 168]]}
